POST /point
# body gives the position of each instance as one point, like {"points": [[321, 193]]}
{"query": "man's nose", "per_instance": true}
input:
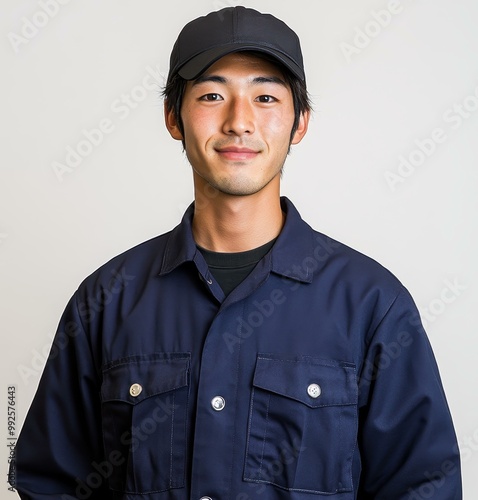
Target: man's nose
{"points": [[239, 118]]}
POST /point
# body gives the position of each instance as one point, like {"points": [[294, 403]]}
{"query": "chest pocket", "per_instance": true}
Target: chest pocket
{"points": [[302, 424], [144, 419]]}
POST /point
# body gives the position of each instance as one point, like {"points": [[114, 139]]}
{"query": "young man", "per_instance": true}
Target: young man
{"points": [[241, 355]]}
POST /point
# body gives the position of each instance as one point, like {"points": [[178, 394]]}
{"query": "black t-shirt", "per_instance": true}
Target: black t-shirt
{"points": [[229, 269]]}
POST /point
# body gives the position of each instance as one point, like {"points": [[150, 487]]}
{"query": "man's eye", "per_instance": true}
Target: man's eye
{"points": [[211, 97], [266, 98]]}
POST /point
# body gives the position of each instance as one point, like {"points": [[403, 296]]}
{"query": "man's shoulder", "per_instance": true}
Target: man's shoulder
{"points": [[354, 268], [141, 261], [329, 262]]}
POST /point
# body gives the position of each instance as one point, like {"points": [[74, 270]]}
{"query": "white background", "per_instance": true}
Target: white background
{"points": [[371, 108]]}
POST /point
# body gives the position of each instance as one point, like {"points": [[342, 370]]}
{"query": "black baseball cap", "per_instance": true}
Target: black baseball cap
{"points": [[208, 38]]}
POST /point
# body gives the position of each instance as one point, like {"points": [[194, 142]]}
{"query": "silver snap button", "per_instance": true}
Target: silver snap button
{"points": [[314, 390], [205, 498], [218, 403], [135, 390], [207, 280]]}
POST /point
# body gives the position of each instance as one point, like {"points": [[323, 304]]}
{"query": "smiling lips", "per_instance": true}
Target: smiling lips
{"points": [[237, 154]]}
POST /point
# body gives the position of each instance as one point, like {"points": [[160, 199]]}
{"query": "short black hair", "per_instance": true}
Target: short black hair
{"points": [[173, 93]]}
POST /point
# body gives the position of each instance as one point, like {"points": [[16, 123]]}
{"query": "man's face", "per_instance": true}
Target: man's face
{"points": [[237, 120]]}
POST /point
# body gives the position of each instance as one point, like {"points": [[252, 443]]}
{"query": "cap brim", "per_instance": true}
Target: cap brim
{"points": [[193, 68]]}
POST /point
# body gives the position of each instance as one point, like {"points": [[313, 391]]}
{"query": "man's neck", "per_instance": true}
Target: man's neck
{"points": [[226, 223]]}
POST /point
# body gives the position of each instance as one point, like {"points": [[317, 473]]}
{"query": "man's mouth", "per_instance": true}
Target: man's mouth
{"points": [[237, 153]]}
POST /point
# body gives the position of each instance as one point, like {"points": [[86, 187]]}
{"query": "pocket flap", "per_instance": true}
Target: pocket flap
{"points": [[311, 381], [136, 378]]}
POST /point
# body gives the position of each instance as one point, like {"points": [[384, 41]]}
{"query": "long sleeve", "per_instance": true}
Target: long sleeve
{"points": [[59, 452], [295, 385], [406, 436]]}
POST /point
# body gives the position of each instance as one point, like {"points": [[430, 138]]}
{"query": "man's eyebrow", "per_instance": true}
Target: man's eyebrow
{"points": [[256, 81], [209, 78], [269, 79]]}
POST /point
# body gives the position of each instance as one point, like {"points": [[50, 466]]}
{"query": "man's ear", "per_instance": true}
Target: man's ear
{"points": [[302, 128], [172, 123]]}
